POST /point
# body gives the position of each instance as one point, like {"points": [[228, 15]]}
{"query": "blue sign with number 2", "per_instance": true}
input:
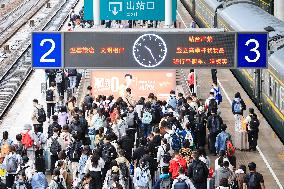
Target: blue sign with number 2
{"points": [[252, 50], [46, 50]]}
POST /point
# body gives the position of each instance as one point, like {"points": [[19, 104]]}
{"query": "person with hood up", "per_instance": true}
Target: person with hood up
{"points": [[182, 180], [238, 107], [222, 172]]}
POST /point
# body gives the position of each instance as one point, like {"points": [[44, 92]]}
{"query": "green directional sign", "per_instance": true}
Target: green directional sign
{"points": [[130, 9]]}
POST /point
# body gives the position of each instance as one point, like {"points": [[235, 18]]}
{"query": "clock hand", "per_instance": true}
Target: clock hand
{"points": [[150, 52]]}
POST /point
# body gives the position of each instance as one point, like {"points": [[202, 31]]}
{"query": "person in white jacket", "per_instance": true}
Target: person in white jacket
{"points": [[141, 179], [165, 147], [182, 178]]}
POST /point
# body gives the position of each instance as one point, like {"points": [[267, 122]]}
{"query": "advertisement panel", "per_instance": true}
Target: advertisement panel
{"points": [[141, 82]]}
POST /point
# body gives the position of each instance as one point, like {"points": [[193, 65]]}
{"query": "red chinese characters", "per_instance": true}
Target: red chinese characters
{"points": [[82, 50], [112, 50]]}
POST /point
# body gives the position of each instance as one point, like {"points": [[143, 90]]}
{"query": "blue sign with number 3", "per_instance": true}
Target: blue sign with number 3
{"points": [[252, 50], [46, 50]]}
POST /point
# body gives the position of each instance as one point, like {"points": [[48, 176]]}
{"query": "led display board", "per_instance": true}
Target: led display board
{"points": [[146, 49]]}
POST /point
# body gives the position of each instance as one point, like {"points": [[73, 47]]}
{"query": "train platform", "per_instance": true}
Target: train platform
{"points": [[269, 156]]}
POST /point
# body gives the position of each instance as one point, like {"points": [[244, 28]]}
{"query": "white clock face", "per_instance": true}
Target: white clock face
{"points": [[149, 50]]}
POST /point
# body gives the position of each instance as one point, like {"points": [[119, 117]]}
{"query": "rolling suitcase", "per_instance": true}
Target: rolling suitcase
{"points": [[241, 140]]}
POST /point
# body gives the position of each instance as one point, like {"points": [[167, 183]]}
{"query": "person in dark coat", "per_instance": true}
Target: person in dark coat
{"points": [[126, 143], [214, 123]]}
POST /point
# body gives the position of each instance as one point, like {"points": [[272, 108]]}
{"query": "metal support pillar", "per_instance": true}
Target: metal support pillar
{"points": [[96, 10], [168, 13]]}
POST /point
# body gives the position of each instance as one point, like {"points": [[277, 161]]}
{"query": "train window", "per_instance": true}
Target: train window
{"points": [[276, 94], [264, 83], [282, 99], [270, 85]]}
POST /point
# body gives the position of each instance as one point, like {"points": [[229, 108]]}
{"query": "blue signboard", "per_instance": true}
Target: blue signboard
{"points": [[130, 10], [46, 50], [252, 50]]}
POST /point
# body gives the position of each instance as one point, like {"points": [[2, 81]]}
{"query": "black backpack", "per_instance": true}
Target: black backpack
{"points": [[253, 183], [167, 156], [41, 115], [72, 72], [213, 105], [88, 101], [254, 123], [199, 172], [234, 184], [55, 147], [75, 150], [108, 153], [124, 171], [59, 184], [49, 95]]}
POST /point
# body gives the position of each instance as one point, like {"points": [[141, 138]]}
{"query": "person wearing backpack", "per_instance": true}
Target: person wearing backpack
{"points": [[214, 123], [51, 99], [147, 118], [141, 178], [5, 144], [22, 182], [75, 128], [164, 181], [54, 147], [172, 101], [123, 165], [39, 150], [198, 172], [182, 181], [59, 81], [177, 162], [38, 115], [238, 178], [252, 128], [29, 139], [253, 179], [65, 137], [238, 107], [39, 181], [108, 153], [222, 172], [53, 125], [217, 93], [163, 156], [57, 180], [221, 139], [210, 104], [20, 149], [94, 166], [11, 163], [74, 152], [127, 144], [200, 128], [72, 76]]}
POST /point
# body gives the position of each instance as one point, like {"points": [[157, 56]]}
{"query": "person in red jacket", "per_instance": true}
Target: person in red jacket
{"points": [[177, 162], [190, 80]]}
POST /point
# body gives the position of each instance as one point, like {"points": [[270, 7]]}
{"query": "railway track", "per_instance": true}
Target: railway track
{"points": [[12, 22], [18, 73]]}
